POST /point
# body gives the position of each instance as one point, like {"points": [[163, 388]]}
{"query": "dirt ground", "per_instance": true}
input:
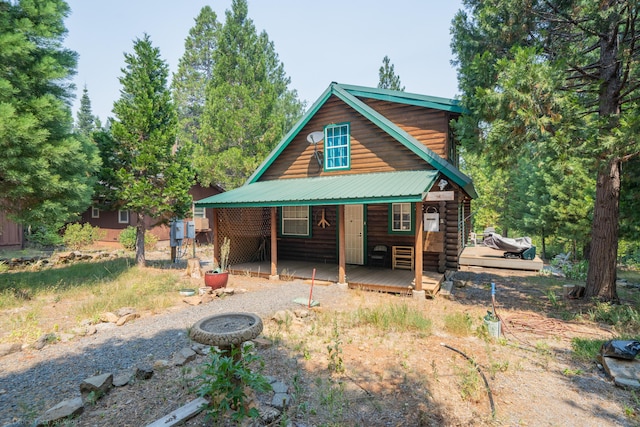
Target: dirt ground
{"points": [[407, 378]]}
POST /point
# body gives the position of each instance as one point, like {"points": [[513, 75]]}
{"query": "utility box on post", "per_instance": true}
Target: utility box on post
{"points": [[191, 230], [176, 232]]}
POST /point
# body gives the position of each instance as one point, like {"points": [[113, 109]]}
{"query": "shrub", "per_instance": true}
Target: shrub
{"points": [[128, 239], [576, 270], [225, 381], [44, 236], [77, 235]]}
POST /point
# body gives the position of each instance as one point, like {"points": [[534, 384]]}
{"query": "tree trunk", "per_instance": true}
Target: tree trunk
{"points": [[601, 276], [140, 230]]}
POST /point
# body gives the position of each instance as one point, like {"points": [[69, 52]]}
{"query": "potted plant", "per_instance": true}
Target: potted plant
{"points": [[218, 277]]}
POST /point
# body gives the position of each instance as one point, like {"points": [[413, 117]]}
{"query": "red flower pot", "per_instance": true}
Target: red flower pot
{"points": [[216, 280]]}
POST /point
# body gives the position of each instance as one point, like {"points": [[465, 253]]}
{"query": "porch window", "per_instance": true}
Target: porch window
{"points": [[95, 212], [401, 218], [295, 221], [123, 217], [336, 147], [199, 212]]}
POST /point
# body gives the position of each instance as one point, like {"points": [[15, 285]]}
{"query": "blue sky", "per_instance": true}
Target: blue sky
{"points": [[317, 41]]}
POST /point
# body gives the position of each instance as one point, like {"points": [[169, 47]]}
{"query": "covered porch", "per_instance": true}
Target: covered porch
{"points": [[357, 276], [251, 217]]}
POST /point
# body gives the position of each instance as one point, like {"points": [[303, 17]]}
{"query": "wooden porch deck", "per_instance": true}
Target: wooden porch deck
{"points": [[358, 276], [483, 256]]}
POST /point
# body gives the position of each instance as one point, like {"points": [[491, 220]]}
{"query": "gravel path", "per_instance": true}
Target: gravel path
{"points": [[32, 381]]}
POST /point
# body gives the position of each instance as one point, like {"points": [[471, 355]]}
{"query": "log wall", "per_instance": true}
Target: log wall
{"points": [[372, 149], [321, 246], [428, 126]]}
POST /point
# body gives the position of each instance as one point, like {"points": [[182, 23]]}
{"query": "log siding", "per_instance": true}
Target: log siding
{"points": [[372, 149]]}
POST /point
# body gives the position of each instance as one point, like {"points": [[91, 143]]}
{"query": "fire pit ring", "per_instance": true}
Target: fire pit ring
{"points": [[226, 330]]}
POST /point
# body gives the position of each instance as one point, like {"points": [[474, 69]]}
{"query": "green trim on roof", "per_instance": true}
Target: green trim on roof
{"points": [[348, 94], [382, 187], [408, 141], [445, 104]]}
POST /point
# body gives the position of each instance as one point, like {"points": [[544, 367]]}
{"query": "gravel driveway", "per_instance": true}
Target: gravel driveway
{"points": [[32, 381]]}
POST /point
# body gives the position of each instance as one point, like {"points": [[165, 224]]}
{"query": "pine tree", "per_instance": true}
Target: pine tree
{"points": [[154, 177], [45, 171], [559, 80], [194, 73], [248, 105], [85, 120], [388, 78]]}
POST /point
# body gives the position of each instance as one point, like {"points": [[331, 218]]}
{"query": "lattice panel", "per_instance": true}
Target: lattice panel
{"points": [[249, 231]]}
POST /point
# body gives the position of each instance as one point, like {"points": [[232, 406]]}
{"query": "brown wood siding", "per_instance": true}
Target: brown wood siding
{"points": [[321, 246], [372, 150], [429, 126], [10, 232], [378, 234], [108, 220]]}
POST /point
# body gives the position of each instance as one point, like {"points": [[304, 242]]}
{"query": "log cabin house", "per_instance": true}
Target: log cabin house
{"points": [[368, 177]]}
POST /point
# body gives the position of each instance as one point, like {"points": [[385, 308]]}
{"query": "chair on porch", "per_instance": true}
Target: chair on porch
{"points": [[378, 256]]}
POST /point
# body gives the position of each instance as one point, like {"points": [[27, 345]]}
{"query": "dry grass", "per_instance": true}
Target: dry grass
{"points": [[364, 361], [30, 301]]}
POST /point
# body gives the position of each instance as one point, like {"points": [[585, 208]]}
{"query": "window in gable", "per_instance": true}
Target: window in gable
{"points": [[337, 148]]}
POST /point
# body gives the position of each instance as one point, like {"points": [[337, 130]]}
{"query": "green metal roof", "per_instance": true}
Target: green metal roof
{"points": [[401, 97], [382, 187], [350, 95]]}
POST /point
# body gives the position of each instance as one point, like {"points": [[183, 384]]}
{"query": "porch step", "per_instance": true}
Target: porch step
{"points": [[430, 285]]}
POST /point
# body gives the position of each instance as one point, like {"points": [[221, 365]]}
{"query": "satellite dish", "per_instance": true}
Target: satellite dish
{"points": [[315, 137]]}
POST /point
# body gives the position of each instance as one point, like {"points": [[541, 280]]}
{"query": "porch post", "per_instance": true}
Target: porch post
{"points": [[274, 244], [342, 258], [418, 248], [216, 245]]}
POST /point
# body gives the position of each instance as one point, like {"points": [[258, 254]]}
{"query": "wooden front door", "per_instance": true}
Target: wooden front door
{"points": [[354, 234]]}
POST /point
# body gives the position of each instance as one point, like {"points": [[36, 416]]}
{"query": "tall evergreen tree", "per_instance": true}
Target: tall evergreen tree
{"points": [[85, 120], [388, 77], [248, 105], [194, 73], [45, 171], [630, 204], [154, 177], [558, 79]]}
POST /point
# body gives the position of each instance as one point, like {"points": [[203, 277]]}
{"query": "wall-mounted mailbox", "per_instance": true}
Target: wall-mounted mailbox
{"points": [[431, 219]]}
